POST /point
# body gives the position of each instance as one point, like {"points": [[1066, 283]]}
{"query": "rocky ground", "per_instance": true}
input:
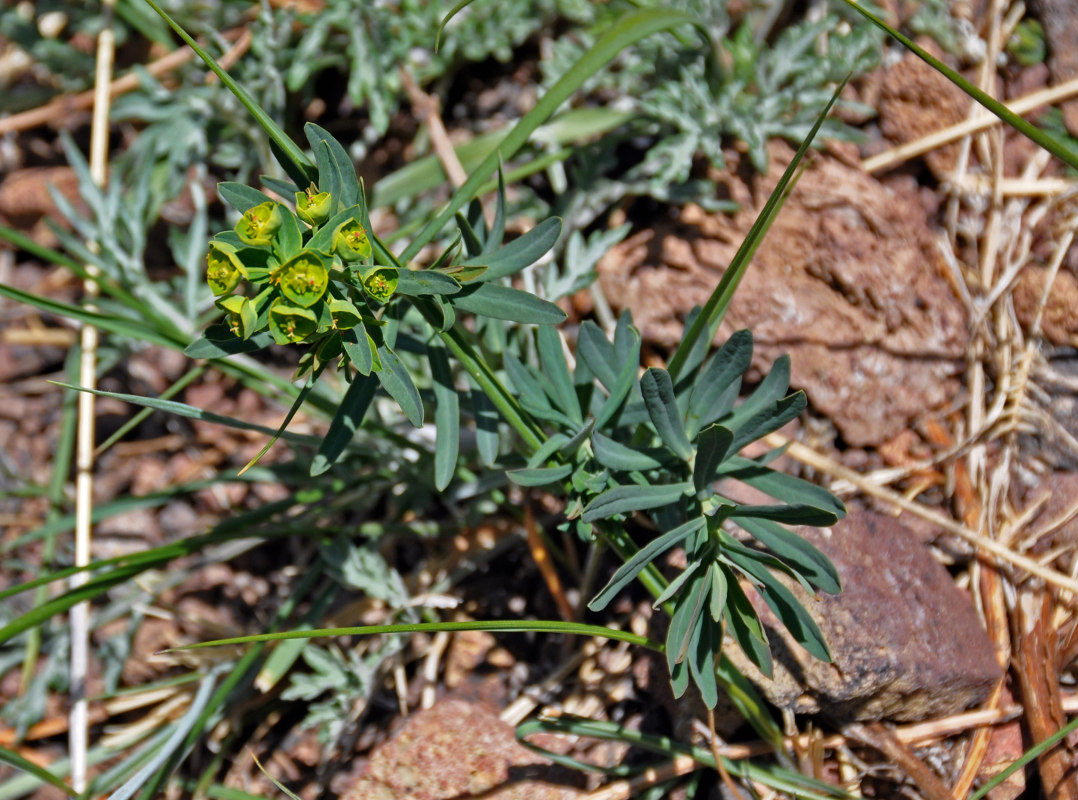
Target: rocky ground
{"points": [[930, 308]]}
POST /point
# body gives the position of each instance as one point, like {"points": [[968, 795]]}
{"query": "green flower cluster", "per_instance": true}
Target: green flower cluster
{"points": [[311, 270]]}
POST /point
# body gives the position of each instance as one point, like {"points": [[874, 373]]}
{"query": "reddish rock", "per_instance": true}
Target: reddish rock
{"points": [[907, 645], [457, 750], [849, 281]]}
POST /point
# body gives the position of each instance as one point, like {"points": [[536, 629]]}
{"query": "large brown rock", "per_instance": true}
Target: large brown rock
{"points": [[456, 750], [906, 644], [849, 281]]}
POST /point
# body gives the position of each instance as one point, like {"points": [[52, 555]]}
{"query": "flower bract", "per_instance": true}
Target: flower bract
{"points": [[290, 324], [303, 279], [259, 223], [223, 268], [350, 241]]}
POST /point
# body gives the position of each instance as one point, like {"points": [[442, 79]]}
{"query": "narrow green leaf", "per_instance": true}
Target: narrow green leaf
{"points": [[703, 645], [539, 476], [723, 371], [768, 419], [597, 353], [615, 455], [301, 398], [711, 449], [675, 585], [398, 383], [790, 612], [345, 423], [791, 514], [191, 412], [781, 486], [773, 387], [418, 282], [219, 342], [745, 626], [1045, 140], [622, 499], [796, 551], [295, 163], [121, 326], [446, 415], [628, 29], [556, 372], [688, 615], [445, 21], [13, 759], [241, 196], [627, 571], [503, 302], [623, 384], [486, 427], [658, 392], [520, 253]]}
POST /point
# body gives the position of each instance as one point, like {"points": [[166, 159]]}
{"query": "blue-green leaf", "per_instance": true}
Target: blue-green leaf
{"points": [[218, 342], [745, 626], [712, 447], [398, 383], [597, 353], [556, 372], [418, 282], [446, 415], [779, 485], [334, 164], [627, 571], [539, 476], [520, 253], [241, 196], [658, 392], [621, 499], [617, 456], [796, 551], [346, 421], [769, 419], [486, 427], [712, 389], [503, 302]]}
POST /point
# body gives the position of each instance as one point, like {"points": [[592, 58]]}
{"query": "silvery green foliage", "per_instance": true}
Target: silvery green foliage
{"points": [[751, 91], [370, 42]]}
